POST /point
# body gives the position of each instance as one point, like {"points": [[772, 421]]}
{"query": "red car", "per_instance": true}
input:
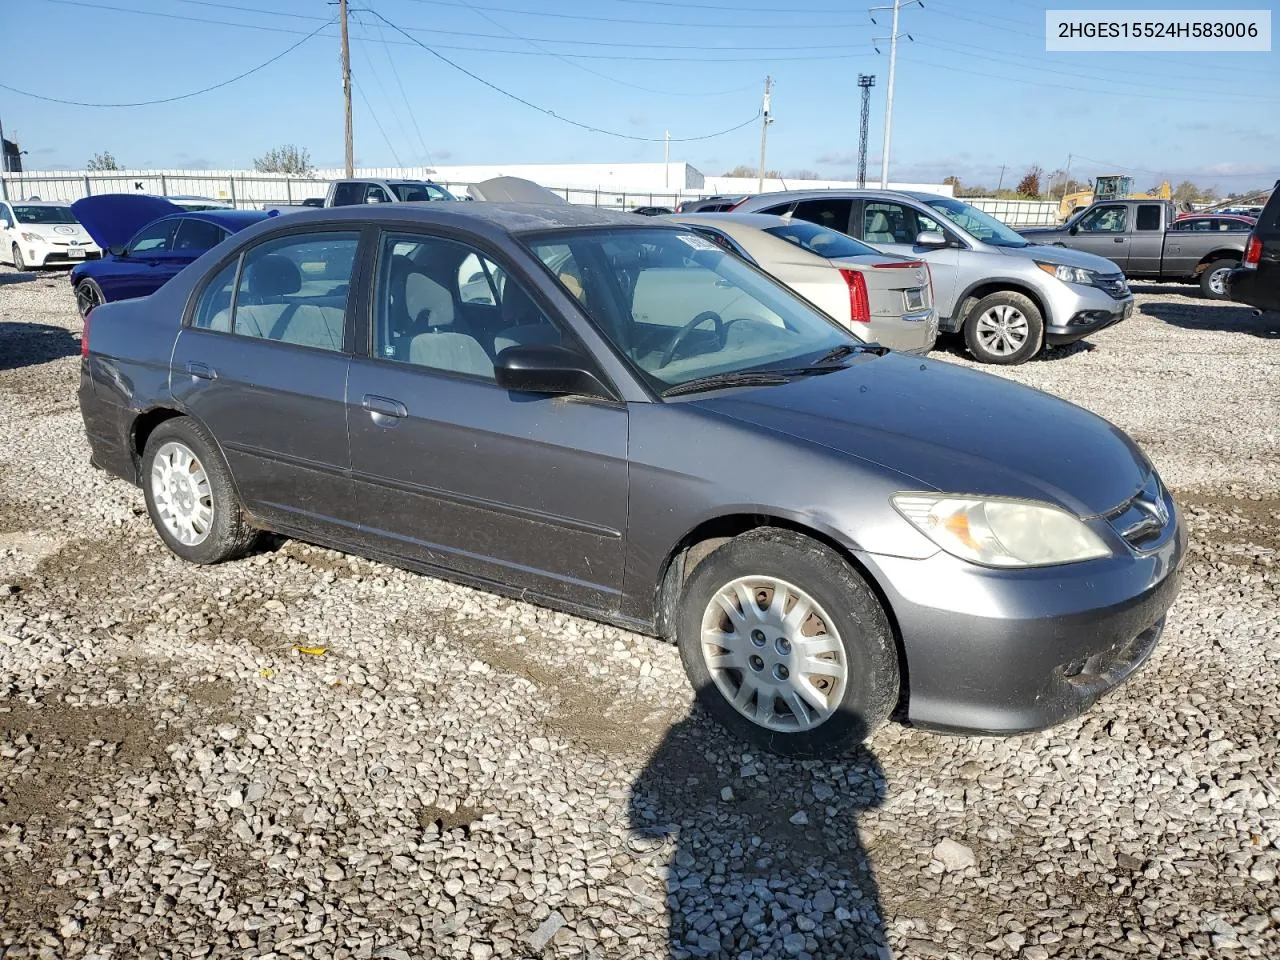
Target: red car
{"points": [[1213, 222]]}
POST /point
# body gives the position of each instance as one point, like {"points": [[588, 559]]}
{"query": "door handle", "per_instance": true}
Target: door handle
{"points": [[201, 371], [1117, 239], [384, 407]]}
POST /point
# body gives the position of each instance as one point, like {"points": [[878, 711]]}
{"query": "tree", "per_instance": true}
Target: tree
{"points": [[804, 174], [742, 170], [289, 159], [1061, 182], [953, 180], [1029, 185], [103, 161]]}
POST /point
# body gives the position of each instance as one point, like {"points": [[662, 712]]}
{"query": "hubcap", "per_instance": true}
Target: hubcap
{"points": [[1003, 330], [774, 654], [180, 490], [87, 298], [1218, 281]]}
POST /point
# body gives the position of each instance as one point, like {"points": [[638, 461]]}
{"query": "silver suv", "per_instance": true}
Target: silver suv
{"points": [[1008, 296]]}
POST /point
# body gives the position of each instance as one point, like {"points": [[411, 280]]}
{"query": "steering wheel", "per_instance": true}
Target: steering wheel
{"points": [[683, 333]]}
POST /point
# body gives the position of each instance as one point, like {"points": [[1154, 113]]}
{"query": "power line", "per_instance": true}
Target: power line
{"points": [[701, 59], [181, 96], [404, 97], [646, 23], [551, 113], [382, 98], [377, 123], [595, 73]]}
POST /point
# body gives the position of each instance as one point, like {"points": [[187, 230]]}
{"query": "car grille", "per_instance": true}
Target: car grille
{"points": [[1113, 283], [1147, 521]]}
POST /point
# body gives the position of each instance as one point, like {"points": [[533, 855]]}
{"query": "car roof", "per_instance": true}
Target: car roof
{"points": [[509, 217], [723, 218], [40, 203], [864, 193], [231, 219]]}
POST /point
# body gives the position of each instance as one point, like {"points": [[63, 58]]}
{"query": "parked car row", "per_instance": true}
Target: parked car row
{"points": [[633, 420]]}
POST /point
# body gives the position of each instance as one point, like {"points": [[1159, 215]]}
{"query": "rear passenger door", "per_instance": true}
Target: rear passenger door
{"points": [[262, 362], [451, 470]]}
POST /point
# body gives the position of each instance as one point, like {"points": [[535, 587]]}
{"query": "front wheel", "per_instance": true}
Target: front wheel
{"points": [[190, 496], [1004, 328], [18, 263], [88, 296], [1213, 279], [787, 646]]}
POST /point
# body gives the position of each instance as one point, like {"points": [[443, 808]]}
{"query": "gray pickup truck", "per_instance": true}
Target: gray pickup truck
{"points": [[1144, 239]]}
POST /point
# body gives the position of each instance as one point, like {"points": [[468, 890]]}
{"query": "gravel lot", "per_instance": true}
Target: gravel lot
{"points": [[459, 775]]}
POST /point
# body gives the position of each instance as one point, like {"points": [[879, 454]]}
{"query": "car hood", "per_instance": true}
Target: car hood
{"points": [[113, 218], [1046, 253], [55, 231], [951, 429]]}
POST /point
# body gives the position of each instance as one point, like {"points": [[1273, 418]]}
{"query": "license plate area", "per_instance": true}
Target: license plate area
{"points": [[75, 253]]}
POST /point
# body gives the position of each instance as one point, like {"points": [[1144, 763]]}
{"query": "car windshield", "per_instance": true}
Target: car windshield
{"points": [[820, 240], [43, 214], [976, 223], [418, 192], [679, 308]]}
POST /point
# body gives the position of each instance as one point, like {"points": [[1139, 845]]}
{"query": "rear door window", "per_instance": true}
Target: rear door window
{"points": [[197, 235], [830, 212], [1148, 216]]}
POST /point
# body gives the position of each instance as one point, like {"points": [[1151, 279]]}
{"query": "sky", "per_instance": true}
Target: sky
{"points": [[976, 91]]}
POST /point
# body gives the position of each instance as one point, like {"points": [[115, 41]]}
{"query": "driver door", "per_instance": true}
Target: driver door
{"points": [[1104, 230], [146, 264]]}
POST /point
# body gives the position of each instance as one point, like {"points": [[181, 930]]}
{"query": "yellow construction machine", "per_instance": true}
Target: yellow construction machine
{"points": [[1109, 187]]}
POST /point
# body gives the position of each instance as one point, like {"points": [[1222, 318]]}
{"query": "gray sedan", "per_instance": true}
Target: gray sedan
{"points": [[879, 296], [830, 532]]}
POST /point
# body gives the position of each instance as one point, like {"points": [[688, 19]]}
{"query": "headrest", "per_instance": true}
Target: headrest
{"points": [[274, 275]]}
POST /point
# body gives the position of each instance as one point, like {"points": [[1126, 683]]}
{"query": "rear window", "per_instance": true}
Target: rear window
{"points": [[820, 240]]}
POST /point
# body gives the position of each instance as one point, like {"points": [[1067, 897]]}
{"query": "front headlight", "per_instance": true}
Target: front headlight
{"points": [[1001, 533], [1067, 274], [32, 237]]}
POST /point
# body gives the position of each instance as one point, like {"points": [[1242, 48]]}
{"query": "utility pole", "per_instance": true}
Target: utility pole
{"points": [[666, 159], [893, 63], [1001, 181], [346, 91], [866, 82], [766, 119], [1065, 180]]}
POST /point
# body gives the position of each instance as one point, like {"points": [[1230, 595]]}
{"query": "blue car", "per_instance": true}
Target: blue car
{"points": [[148, 240]]}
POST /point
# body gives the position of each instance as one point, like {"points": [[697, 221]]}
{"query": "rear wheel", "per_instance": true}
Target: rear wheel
{"points": [[1213, 279], [88, 296], [18, 263], [190, 496], [786, 645], [1004, 328]]}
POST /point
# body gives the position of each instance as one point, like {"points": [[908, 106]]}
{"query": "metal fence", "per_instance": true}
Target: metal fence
{"points": [[1018, 213], [255, 191]]}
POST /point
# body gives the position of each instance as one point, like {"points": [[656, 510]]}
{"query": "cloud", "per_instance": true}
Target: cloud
{"points": [[636, 119], [42, 151], [845, 158]]}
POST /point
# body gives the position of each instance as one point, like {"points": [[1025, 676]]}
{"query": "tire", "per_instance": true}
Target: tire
{"points": [[171, 487], [1004, 328], [18, 263], [1213, 279], [853, 704], [88, 296]]}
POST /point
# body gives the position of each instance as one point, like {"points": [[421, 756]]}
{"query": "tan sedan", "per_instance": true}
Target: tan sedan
{"points": [[879, 296]]}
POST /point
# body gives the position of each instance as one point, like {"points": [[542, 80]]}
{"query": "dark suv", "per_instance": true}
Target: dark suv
{"points": [[1257, 280]]}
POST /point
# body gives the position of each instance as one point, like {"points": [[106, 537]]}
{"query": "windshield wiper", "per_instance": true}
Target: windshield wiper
{"points": [[842, 351], [736, 378]]}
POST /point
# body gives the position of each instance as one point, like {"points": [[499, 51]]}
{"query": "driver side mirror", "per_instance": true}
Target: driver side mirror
{"points": [[117, 250], [1075, 228], [549, 369], [931, 238], [373, 198]]}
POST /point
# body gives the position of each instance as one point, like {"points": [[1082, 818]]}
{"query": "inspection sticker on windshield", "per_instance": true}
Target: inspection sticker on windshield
{"points": [[697, 242]]}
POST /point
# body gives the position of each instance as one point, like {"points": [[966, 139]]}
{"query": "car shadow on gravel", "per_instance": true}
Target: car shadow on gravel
{"points": [[765, 854], [30, 344], [7, 277], [952, 345], [1216, 315]]}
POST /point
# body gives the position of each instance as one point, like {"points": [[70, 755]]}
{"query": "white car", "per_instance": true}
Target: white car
{"points": [[41, 234]]}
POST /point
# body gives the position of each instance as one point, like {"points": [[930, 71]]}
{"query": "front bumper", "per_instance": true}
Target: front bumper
{"points": [[1076, 311], [45, 254], [1012, 651]]}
